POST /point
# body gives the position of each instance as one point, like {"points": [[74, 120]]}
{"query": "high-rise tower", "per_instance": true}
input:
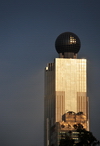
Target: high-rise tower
{"points": [[65, 101]]}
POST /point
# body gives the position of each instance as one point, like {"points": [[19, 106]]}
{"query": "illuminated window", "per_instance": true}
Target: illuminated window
{"points": [[46, 68], [72, 40]]}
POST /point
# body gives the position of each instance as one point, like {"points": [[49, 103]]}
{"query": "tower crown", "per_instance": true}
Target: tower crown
{"points": [[67, 42]]}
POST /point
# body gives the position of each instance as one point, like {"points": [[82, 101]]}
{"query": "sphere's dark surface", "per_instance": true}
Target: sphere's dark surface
{"points": [[67, 42]]}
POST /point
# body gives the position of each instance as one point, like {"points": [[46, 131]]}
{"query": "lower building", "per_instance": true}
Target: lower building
{"points": [[71, 121]]}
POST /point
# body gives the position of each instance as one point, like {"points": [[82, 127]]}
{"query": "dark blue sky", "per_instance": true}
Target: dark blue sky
{"points": [[28, 30]]}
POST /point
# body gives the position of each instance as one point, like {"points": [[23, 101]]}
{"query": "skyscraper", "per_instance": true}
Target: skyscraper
{"points": [[65, 101]]}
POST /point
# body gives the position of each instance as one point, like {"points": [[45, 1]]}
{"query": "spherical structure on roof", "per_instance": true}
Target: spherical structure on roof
{"points": [[67, 42]]}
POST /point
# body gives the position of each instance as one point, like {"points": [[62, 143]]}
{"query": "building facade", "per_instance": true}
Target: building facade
{"points": [[65, 101]]}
